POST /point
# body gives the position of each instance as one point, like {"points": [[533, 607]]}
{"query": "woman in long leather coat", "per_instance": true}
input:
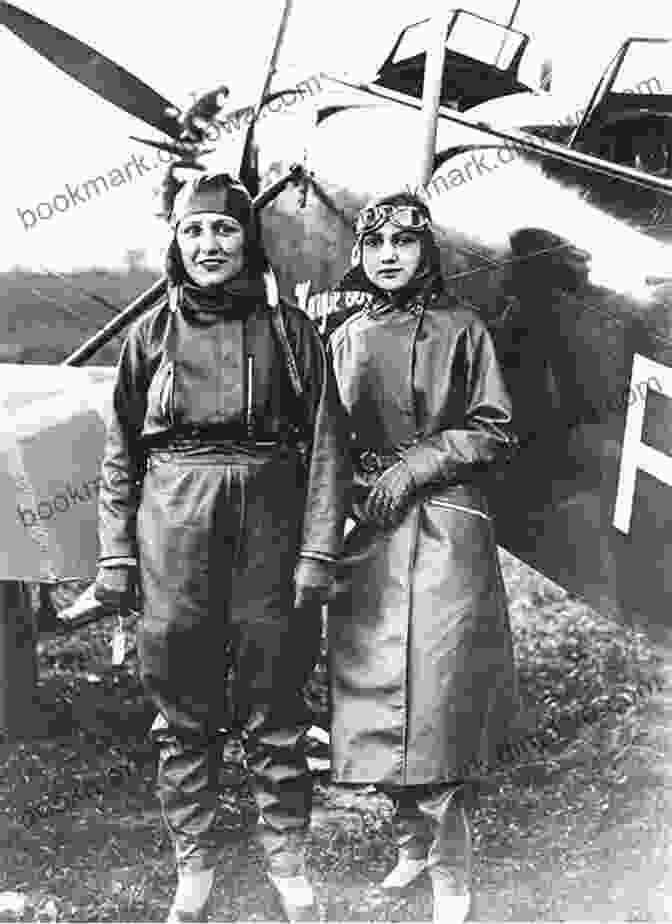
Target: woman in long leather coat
{"points": [[423, 681], [224, 480]]}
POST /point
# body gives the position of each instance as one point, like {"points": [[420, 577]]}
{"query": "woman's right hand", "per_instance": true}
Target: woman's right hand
{"points": [[114, 585], [390, 496]]}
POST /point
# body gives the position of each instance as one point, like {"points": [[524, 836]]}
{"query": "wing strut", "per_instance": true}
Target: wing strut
{"points": [[431, 93], [248, 173]]}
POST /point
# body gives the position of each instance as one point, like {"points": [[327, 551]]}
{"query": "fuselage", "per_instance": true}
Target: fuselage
{"points": [[563, 264]]}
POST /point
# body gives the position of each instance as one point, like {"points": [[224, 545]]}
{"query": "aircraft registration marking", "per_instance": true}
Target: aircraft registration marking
{"points": [[636, 455]]}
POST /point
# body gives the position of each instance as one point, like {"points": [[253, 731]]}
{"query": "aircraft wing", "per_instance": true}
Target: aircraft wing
{"points": [[52, 429]]}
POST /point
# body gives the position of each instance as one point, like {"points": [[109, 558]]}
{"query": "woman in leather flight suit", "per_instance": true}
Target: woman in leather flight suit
{"points": [[423, 681], [224, 481]]}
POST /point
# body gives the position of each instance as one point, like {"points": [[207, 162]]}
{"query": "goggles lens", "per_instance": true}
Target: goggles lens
{"points": [[408, 217]]}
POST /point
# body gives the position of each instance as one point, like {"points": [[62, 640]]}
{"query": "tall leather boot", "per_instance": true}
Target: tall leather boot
{"points": [[186, 784], [191, 898], [450, 857], [413, 836], [288, 874], [296, 896], [274, 740]]}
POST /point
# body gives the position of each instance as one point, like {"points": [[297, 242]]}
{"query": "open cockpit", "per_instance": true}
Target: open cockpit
{"points": [[481, 63]]}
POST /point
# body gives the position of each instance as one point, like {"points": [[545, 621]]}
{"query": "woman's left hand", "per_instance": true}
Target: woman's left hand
{"points": [[390, 496]]}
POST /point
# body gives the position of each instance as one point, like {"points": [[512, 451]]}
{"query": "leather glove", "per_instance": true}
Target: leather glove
{"points": [[390, 496], [312, 582], [114, 585]]}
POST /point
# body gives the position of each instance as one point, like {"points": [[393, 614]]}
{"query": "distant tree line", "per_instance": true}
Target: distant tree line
{"points": [[46, 315]]}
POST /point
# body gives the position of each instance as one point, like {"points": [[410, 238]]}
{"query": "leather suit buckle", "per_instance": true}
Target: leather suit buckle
{"points": [[370, 462]]}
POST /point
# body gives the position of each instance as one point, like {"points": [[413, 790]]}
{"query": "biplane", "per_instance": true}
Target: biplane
{"points": [[556, 229]]}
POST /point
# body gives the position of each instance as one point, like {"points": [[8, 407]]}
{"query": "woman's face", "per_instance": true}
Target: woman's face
{"points": [[211, 246], [391, 256]]}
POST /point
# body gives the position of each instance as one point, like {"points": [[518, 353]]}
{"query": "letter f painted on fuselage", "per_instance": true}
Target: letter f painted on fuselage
{"points": [[636, 455]]}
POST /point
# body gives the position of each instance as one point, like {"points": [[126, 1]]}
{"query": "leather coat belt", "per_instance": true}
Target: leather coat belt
{"points": [[196, 446], [190, 439]]}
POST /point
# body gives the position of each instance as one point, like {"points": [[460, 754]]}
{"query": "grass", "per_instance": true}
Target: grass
{"points": [[77, 804]]}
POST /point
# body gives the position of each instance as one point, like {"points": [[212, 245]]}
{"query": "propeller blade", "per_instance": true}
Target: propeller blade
{"points": [[92, 69]]}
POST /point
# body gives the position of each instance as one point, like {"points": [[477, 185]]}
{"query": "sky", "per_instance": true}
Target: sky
{"points": [[58, 134]]}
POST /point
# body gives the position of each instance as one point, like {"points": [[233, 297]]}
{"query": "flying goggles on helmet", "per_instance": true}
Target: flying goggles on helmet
{"points": [[407, 217]]}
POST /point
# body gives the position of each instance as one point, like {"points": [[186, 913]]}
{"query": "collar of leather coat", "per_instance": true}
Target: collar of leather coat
{"points": [[236, 298]]}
